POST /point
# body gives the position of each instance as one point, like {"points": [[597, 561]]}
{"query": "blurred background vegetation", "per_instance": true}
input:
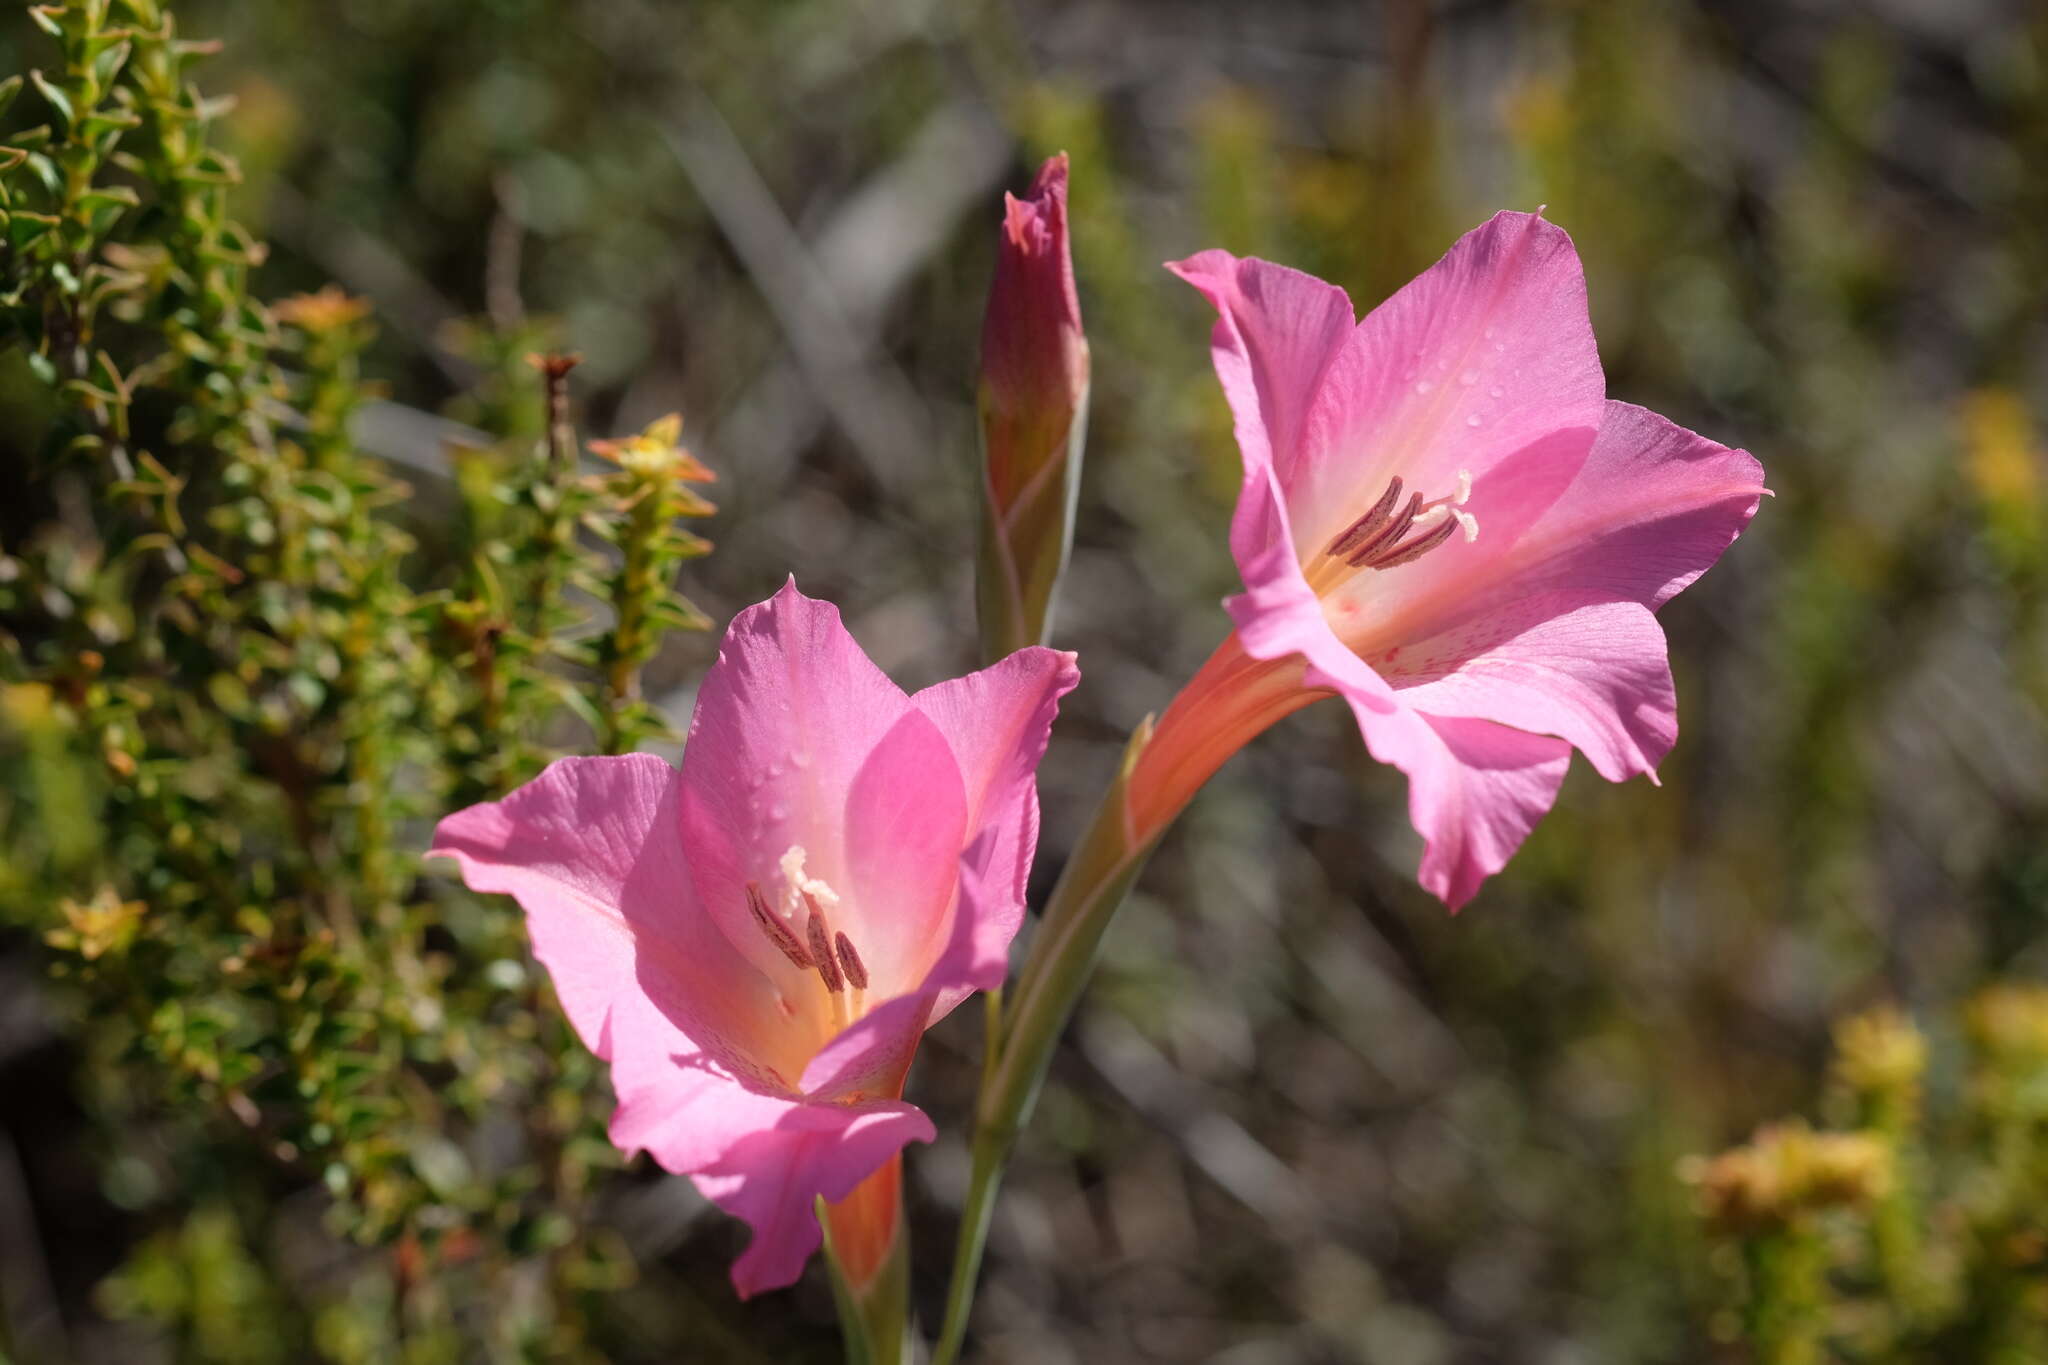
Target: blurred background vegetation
{"points": [[1305, 1116]]}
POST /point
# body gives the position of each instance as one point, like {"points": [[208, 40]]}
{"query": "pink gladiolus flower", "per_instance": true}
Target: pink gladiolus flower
{"points": [[756, 942], [1446, 522]]}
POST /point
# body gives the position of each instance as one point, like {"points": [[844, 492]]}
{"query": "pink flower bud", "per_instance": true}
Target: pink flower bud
{"points": [[1033, 401]]}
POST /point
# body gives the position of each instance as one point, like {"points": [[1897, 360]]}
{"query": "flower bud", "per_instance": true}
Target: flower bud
{"points": [[1033, 401]]}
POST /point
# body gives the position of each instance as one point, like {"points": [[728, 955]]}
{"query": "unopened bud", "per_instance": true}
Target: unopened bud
{"points": [[1034, 405]]}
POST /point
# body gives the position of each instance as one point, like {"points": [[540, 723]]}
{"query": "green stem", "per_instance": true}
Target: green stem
{"points": [[1786, 1271], [1230, 700], [1062, 959]]}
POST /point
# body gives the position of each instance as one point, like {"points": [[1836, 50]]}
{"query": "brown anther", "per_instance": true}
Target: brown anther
{"points": [[775, 931], [821, 948], [856, 970], [1416, 548], [1368, 524], [1362, 553]]}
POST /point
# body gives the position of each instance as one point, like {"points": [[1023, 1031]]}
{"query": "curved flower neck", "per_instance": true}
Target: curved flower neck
{"points": [[1228, 703]]}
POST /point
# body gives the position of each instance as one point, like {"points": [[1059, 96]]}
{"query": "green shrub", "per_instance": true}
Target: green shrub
{"points": [[233, 687]]}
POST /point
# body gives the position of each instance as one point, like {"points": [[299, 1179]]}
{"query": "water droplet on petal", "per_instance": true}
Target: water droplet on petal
{"points": [[1423, 386], [1489, 333], [1473, 420], [1469, 378], [778, 812], [1494, 392]]}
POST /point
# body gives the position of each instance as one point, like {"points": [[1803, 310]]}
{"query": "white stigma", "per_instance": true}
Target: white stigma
{"points": [[1451, 507], [795, 885]]}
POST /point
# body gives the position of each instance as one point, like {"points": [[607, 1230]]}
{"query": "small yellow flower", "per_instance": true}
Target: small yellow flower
{"points": [[104, 925], [1880, 1052], [657, 453], [326, 310], [1787, 1171]]}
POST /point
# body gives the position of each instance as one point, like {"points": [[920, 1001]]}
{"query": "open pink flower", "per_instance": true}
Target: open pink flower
{"points": [[756, 942], [1446, 522]]}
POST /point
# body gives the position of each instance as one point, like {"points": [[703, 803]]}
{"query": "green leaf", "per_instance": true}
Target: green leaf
{"points": [[9, 88], [59, 101], [123, 195], [24, 227], [108, 62]]}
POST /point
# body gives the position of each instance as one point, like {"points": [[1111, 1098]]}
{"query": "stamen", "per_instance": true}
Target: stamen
{"points": [[776, 932], [856, 970], [821, 948], [1386, 535], [1375, 540], [1370, 522], [1416, 548]]}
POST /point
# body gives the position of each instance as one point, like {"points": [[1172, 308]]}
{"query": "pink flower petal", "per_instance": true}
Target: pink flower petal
{"points": [[785, 719], [590, 850], [1475, 790], [1553, 633], [1651, 508], [998, 722], [1485, 355], [905, 819], [772, 1178], [872, 1055], [1593, 673], [1654, 506], [1276, 332]]}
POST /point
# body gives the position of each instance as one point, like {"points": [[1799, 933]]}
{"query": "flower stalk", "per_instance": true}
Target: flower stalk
{"points": [[867, 1249], [1232, 699]]}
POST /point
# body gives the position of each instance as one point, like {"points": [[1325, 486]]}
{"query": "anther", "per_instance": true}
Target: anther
{"points": [[821, 948], [1362, 555], [856, 970], [1371, 522], [1416, 548], [774, 930]]}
